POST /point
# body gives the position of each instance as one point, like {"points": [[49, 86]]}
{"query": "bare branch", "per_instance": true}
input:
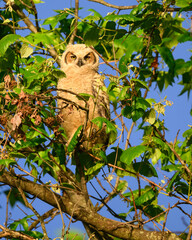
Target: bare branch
{"points": [[113, 6], [71, 41], [173, 9], [51, 213], [190, 230], [174, 152], [8, 233]]}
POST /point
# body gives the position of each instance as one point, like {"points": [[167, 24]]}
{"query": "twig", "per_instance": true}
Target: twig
{"points": [[129, 135], [113, 6], [27, 6], [72, 38], [34, 211], [7, 205], [190, 230], [176, 139], [174, 152], [106, 62], [36, 16], [51, 213], [164, 222], [109, 197], [8, 233], [129, 7]]}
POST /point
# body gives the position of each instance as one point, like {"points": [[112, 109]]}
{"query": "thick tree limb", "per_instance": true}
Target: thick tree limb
{"points": [[8, 233], [76, 208]]}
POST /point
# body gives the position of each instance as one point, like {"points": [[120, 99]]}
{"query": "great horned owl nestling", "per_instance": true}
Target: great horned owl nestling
{"points": [[80, 64]]}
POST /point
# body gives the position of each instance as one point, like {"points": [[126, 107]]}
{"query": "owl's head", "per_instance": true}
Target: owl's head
{"points": [[80, 57]]}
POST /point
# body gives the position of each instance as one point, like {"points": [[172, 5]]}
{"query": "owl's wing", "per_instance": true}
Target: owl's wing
{"points": [[102, 108]]}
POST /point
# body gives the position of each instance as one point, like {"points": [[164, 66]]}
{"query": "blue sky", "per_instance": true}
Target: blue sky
{"points": [[176, 116]]}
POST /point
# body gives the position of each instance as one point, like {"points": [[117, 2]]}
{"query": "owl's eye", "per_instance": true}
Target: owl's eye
{"points": [[87, 57], [73, 57]]}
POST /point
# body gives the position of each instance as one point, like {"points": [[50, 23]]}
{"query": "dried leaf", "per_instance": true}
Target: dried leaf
{"points": [[7, 98], [38, 120], [16, 121], [22, 95], [7, 80]]}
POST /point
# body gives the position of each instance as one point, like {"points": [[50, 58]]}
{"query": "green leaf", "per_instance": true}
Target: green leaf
{"points": [[154, 210], [122, 186], [137, 109], [67, 185], [156, 39], [44, 37], [59, 151], [52, 21], [34, 234], [150, 116], [183, 188], [128, 17], [95, 168], [58, 73], [96, 14], [26, 51], [155, 156], [74, 139], [183, 3], [142, 83], [6, 62], [145, 168], [99, 121], [146, 198], [110, 127], [174, 179], [29, 143], [91, 37], [171, 167], [167, 56], [124, 93], [85, 96], [7, 162], [17, 155], [38, 1], [23, 222], [131, 153], [6, 41], [123, 75]]}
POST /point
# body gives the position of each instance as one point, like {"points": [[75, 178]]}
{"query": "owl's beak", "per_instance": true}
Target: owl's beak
{"points": [[80, 62]]}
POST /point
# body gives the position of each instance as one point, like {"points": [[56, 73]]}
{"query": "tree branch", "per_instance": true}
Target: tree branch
{"points": [[71, 41], [172, 9], [82, 212], [113, 6], [8, 233]]}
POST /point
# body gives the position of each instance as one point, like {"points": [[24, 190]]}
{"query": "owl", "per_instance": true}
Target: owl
{"points": [[80, 64]]}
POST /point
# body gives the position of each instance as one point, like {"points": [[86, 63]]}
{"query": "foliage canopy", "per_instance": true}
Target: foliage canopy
{"points": [[137, 48]]}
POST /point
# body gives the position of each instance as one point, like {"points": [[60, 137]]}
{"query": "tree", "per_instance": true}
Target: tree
{"points": [[137, 48]]}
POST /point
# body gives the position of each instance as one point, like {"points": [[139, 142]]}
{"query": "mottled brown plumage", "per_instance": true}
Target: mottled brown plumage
{"points": [[80, 64]]}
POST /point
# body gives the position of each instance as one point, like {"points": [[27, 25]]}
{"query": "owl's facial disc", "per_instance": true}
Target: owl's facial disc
{"points": [[70, 57], [90, 58]]}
